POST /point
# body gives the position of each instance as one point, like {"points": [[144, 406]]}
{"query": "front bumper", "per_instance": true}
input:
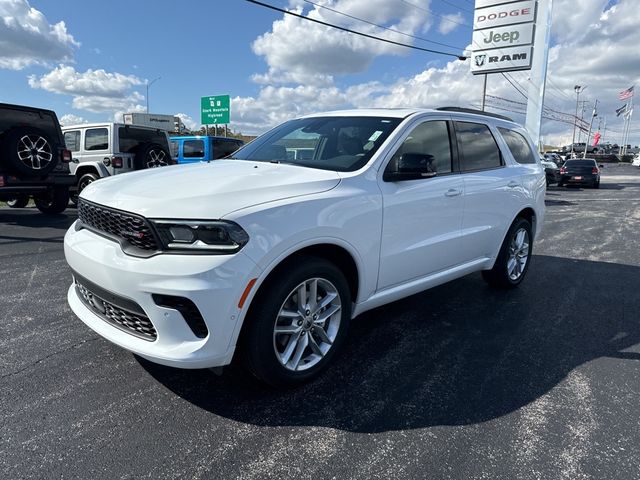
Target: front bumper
{"points": [[214, 283]]}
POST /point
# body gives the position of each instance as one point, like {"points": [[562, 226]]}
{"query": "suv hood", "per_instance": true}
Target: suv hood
{"points": [[207, 190]]}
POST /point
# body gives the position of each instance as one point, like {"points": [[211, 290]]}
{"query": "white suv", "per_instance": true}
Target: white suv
{"points": [[104, 149], [268, 256]]}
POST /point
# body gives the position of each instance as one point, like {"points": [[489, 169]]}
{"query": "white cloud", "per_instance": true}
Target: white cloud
{"points": [[299, 51], [450, 22], [71, 119], [93, 90], [188, 122], [27, 38], [65, 79]]}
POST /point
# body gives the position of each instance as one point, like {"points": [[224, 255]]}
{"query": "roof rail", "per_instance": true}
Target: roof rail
{"points": [[472, 110]]}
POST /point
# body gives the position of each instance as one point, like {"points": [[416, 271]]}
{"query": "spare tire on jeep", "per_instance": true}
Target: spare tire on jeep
{"points": [[29, 151], [151, 155]]}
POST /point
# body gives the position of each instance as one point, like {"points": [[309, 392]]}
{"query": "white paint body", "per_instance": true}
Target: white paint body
{"points": [[404, 237]]}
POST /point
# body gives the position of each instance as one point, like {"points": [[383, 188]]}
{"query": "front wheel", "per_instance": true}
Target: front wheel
{"points": [[513, 260], [297, 323], [52, 202]]}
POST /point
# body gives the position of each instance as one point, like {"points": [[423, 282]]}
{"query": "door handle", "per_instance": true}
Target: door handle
{"points": [[453, 192], [513, 184]]}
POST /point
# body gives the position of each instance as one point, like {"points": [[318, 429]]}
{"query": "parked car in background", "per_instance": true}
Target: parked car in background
{"points": [[553, 157], [33, 159], [580, 172], [551, 171], [636, 161], [203, 148], [269, 258], [103, 149]]}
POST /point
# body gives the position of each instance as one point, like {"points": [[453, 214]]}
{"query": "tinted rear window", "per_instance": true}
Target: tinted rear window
{"points": [[193, 149], [478, 147], [45, 121], [131, 138], [580, 163]]}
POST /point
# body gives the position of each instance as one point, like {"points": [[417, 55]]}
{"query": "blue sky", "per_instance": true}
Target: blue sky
{"points": [[275, 68]]}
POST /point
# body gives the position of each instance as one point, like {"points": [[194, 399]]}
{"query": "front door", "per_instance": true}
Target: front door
{"points": [[421, 218]]}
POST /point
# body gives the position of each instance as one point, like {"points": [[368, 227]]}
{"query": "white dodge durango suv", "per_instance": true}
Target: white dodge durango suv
{"points": [[269, 254]]}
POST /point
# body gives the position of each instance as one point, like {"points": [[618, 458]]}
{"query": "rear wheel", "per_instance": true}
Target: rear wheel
{"points": [[596, 184], [19, 201], [298, 323], [151, 155], [53, 201], [513, 260]]}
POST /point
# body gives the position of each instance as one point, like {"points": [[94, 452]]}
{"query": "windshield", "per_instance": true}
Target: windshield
{"points": [[343, 144]]}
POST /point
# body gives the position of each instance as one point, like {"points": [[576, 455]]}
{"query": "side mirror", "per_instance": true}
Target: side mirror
{"points": [[410, 166]]}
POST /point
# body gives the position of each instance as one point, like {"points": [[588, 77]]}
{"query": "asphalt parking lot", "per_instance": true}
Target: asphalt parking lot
{"points": [[457, 382]]}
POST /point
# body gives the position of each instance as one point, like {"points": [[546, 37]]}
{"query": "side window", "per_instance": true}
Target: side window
{"points": [[229, 147], [478, 147], [72, 140], [430, 139], [519, 147], [193, 149], [96, 139]]}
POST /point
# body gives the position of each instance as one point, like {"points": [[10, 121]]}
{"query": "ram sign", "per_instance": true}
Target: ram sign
{"points": [[503, 36]]}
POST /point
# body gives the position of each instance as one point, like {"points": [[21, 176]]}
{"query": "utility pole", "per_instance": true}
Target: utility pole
{"points": [[484, 91], [148, 85], [593, 115], [578, 89]]}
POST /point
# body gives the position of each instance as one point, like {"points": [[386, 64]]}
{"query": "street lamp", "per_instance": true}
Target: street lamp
{"points": [[149, 83], [578, 89]]}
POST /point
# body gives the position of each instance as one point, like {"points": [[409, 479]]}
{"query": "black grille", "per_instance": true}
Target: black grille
{"points": [[131, 319], [131, 228]]}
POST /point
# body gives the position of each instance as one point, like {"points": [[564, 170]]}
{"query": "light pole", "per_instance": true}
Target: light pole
{"points": [[593, 115], [149, 83], [578, 89]]}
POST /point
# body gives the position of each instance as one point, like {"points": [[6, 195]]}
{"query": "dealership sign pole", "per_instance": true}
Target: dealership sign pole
{"points": [[514, 35]]}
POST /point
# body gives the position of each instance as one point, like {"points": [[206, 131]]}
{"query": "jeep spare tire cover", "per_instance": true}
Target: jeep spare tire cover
{"points": [[151, 155], [29, 151]]}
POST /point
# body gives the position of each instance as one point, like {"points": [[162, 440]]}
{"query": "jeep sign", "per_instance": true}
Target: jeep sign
{"points": [[500, 37], [501, 60], [508, 14]]}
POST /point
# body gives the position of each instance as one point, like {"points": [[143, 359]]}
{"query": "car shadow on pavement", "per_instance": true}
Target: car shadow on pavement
{"points": [[457, 354], [32, 218]]}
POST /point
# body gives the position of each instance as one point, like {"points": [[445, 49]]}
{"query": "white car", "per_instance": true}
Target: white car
{"points": [[269, 258], [636, 161]]}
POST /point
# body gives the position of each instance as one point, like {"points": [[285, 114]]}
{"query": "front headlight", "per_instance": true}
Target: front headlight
{"points": [[204, 236]]}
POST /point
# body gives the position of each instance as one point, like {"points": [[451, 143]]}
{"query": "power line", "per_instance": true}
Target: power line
{"points": [[434, 13], [382, 26], [513, 85], [373, 37], [456, 6]]}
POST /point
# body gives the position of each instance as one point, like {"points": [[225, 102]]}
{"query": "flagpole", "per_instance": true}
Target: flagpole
{"points": [[626, 137]]}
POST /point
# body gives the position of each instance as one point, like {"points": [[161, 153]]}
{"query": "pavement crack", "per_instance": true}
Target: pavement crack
{"points": [[43, 359]]}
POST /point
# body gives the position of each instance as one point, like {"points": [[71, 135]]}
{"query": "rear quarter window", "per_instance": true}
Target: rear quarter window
{"points": [[518, 145]]}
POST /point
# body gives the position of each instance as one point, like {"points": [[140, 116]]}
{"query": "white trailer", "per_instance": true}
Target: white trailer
{"points": [[168, 123]]}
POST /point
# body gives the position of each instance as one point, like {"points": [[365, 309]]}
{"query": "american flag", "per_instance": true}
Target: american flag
{"points": [[626, 94]]}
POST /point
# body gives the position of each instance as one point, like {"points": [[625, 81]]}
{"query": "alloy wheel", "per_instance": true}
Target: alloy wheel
{"points": [[518, 254], [307, 324], [34, 151]]}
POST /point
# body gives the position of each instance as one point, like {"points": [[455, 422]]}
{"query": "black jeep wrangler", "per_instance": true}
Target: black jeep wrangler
{"points": [[33, 159]]}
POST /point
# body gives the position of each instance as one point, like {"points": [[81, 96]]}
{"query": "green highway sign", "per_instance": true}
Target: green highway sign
{"points": [[215, 110]]}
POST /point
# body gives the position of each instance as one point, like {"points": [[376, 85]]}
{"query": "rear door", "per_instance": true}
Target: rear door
{"points": [[489, 187], [96, 144], [193, 150]]}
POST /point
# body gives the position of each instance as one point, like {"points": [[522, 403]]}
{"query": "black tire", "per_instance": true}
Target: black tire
{"points": [[19, 201], [499, 276], [596, 184], [84, 182], [560, 184], [151, 155], [259, 342], [29, 151], [53, 201]]}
